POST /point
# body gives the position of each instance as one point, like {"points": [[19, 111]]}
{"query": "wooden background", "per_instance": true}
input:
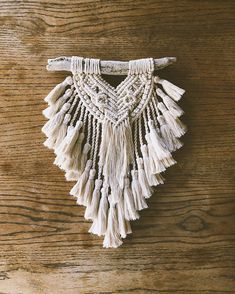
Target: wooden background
{"points": [[185, 241]]}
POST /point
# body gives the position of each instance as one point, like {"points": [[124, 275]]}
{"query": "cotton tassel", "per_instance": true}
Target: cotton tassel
{"points": [[73, 175], [52, 126], [61, 159], [58, 90], [147, 168], [58, 150], [156, 166], [63, 130], [129, 205], [78, 189], [157, 142], [88, 191], [177, 127], [54, 108], [160, 148], [123, 224], [174, 109], [146, 189], [171, 89], [92, 208], [112, 236], [153, 179], [139, 200], [168, 136], [51, 142], [72, 161], [99, 225], [71, 140]]}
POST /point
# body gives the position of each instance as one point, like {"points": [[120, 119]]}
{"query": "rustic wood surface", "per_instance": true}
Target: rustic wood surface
{"points": [[185, 241]]}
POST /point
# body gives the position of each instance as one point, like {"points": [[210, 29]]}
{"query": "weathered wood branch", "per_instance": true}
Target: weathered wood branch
{"points": [[109, 67]]}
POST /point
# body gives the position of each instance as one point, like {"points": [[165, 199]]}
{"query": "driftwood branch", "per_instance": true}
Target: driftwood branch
{"points": [[108, 67]]}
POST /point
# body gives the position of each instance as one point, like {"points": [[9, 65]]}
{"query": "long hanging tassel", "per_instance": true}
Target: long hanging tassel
{"points": [[58, 150], [172, 90], [177, 127], [53, 141], [72, 159], [168, 136], [51, 128], [112, 236], [85, 199], [99, 225], [153, 179], [63, 160], [156, 166], [123, 224], [50, 111], [157, 142], [71, 139], [162, 153], [75, 164], [63, 130], [146, 189], [129, 206], [78, 189], [92, 208], [174, 109], [58, 90], [139, 199]]}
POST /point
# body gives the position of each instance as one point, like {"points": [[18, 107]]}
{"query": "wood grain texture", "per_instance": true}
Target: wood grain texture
{"points": [[185, 241]]}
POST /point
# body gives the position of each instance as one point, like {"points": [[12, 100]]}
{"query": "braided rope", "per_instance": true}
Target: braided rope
{"points": [[145, 122], [140, 131], [135, 144], [95, 154], [89, 128], [155, 101], [94, 132], [153, 113]]}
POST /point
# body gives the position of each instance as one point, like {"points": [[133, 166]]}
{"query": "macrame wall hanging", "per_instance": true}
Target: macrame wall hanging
{"points": [[114, 142]]}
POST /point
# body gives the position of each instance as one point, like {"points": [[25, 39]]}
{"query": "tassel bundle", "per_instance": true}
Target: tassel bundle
{"points": [[139, 199], [99, 225], [172, 90], [123, 223], [52, 109], [129, 205], [93, 205], [177, 127], [145, 187], [79, 189], [174, 109], [51, 128], [112, 236], [172, 142]]}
